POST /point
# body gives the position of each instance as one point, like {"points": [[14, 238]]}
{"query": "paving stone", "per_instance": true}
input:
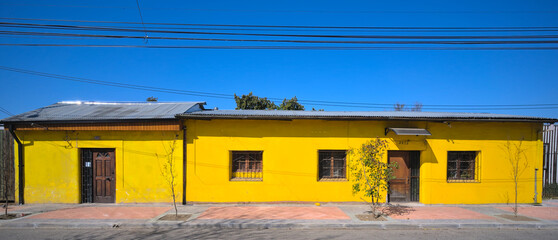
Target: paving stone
{"points": [[401, 226], [439, 226], [103, 213], [309, 213], [548, 213]]}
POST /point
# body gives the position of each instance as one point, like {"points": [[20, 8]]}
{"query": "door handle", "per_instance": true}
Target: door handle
{"points": [[108, 179]]}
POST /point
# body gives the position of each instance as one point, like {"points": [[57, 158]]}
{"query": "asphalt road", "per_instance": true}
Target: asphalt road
{"points": [[208, 233]]}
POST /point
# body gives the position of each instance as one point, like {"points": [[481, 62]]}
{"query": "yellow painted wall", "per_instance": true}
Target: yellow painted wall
{"points": [[52, 164], [290, 159]]}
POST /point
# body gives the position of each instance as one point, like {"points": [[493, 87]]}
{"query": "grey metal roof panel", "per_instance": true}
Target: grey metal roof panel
{"points": [[377, 115], [96, 111]]}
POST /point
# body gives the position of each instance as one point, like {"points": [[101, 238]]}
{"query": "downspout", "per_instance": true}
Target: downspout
{"points": [[536, 199], [184, 163], [21, 165]]}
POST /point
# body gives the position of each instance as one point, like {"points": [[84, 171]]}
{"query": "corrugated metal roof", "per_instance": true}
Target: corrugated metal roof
{"points": [[359, 115], [97, 111]]}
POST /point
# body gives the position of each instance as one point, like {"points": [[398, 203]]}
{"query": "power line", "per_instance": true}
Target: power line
{"points": [[277, 47], [116, 84], [141, 17], [379, 29], [302, 10], [296, 26], [6, 111], [314, 102], [276, 41], [439, 37]]}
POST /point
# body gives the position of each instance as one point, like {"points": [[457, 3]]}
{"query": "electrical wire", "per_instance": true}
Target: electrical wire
{"points": [[275, 41], [297, 26], [6, 111], [301, 10], [276, 47], [165, 27], [141, 18], [90, 28], [116, 84], [313, 102]]}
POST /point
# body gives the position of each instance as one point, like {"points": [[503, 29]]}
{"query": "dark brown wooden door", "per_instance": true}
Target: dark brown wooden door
{"points": [[400, 186], [103, 176]]}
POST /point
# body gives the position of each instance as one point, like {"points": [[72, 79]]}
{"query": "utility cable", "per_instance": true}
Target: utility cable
{"points": [[6, 111], [297, 26], [279, 47], [313, 102], [278, 41], [90, 28], [141, 18]]}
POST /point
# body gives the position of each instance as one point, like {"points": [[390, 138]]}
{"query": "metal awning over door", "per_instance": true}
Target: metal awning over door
{"points": [[409, 131]]}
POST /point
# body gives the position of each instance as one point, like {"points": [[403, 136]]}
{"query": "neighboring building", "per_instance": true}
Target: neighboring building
{"points": [[550, 140], [78, 152], [268, 156], [6, 166]]}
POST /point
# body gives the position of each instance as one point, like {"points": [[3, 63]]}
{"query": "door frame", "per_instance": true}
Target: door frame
{"points": [[87, 178], [414, 174]]}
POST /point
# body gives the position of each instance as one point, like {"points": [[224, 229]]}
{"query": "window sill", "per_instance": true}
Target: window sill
{"points": [[246, 180], [462, 181], [333, 180]]}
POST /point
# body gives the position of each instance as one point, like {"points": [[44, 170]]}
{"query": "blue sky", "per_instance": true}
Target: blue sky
{"points": [[455, 77]]}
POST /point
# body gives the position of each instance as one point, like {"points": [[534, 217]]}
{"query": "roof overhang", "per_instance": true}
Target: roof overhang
{"points": [[195, 115], [409, 131]]}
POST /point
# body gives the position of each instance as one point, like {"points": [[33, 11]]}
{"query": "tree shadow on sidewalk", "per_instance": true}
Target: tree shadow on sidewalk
{"points": [[397, 209]]}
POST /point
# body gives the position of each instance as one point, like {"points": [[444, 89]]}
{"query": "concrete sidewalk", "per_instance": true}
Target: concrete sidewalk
{"points": [[407, 216]]}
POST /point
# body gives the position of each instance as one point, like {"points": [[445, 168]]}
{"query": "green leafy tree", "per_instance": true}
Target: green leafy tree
{"points": [[291, 104], [152, 99], [369, 172], [251, 102]]}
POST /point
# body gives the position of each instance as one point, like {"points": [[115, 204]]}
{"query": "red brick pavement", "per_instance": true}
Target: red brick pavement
{"points": [[297, 213], [104, 213], [438, 213]]}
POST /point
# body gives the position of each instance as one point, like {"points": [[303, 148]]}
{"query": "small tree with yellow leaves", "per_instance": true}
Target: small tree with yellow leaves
{"points": [[369, 172]]}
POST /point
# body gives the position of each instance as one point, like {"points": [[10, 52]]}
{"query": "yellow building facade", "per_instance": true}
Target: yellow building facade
{"points": [[236, 156], [53, 169], [290, 159]]}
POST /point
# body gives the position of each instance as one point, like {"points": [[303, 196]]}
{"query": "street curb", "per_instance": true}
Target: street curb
{"points": [[229, 225]]}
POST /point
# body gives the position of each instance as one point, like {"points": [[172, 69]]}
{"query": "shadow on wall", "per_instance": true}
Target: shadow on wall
{"points": [[359, 129]]}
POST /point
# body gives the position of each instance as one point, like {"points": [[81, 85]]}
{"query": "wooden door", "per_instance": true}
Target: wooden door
{"points": [[103, 176], [400, 186]]}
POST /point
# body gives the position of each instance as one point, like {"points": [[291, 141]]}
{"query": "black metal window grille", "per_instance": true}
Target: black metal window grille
{"points": [[461, 165], [332, 164], [86, 176], [247, 164], [415, 175]]}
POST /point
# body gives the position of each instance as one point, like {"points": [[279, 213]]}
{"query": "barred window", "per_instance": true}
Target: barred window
{"points": [[461, 165], [332, 164], [247, 165]]}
